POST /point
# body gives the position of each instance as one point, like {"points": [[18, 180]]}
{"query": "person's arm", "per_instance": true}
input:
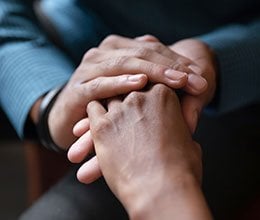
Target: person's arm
{"points": [[147, 156], [180, 200], [237, 49], [29, 64]]}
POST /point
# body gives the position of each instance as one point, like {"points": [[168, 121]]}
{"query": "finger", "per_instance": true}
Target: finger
{"points": [[196, 84], [156, 73], [191, 110], [117, 42], [81, 127], [89, 171], [141, 53], [95, 110], [81, 148], [147, 37], [106, 87]]}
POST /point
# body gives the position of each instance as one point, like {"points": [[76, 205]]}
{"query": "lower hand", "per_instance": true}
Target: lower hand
{"points": [[151, 150], [154, 128]]}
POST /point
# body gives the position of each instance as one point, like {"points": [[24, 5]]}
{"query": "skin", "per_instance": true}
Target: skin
{"points": [[153, 166], [203, 64], [93, 79]]}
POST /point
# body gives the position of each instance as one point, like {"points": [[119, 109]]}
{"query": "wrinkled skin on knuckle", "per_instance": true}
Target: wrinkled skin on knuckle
{"points": [[142, 52], [90, 54], [136, 99], [177, 66], [102, 125], [157, 46], [93, 85], [120, 61], [110, 40], [113, 63], [162, 90]]}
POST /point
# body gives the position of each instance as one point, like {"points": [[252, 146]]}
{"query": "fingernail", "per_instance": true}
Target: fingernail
{"points": [[197, 82], [135, 78], [174, 74]]}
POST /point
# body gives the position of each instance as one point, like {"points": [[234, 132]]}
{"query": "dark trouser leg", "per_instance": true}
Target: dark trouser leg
{"points": [[231, 155], [71, 200]]}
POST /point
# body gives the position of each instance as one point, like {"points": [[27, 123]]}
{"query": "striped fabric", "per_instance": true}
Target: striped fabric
{"points": [[30, 65]]}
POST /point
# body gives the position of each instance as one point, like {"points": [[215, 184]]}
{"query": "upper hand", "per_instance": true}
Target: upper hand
{"points": [[151, 138], [111, 59]]}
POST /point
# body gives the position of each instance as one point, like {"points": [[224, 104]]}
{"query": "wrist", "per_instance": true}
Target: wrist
{"points": [[34, 113], [165, 198], [42, 121]]}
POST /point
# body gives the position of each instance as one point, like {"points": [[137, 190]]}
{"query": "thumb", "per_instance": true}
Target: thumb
{"points": [[191, 110]]}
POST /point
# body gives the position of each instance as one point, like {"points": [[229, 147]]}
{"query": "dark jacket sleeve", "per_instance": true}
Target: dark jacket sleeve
{"points": [[237, 48]]}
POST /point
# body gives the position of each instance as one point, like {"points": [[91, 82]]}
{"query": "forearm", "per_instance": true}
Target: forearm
{"points": [[30, 64], [178, 199]]}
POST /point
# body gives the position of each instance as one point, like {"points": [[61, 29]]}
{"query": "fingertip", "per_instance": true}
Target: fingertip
{"points": [[137, 78], [89, 171], [73, 154], [81, 148], [196, 84], [177, 81], [81, 127]]}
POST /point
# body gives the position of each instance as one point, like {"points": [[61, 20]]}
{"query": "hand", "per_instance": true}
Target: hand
{"points": [[86, 83], [139, 150], [116, 46], [149, 47], [153, 108], [204, 64]]}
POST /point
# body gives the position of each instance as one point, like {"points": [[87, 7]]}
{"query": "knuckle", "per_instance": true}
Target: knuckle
{"points": [[93, 52], [94, 85], [156, 46], [101, 126], [112, 63], [118, 61], [179, 66], [155, 71], [110, 39], [135, 99], [116, 115], [176, 66], [141, 52], [162, 90]]}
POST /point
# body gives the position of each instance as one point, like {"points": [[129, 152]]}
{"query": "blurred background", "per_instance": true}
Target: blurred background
{"points": [[13, 191]]}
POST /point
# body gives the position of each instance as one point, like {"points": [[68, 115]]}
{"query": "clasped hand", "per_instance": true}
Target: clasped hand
{"points": [[118, 66], [156, 61]]}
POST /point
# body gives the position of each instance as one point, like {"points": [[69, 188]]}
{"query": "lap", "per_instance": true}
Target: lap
{"points": [[71, 200]]}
